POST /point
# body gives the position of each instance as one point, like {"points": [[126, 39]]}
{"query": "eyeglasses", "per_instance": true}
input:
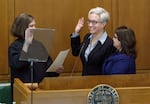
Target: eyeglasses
{"points": [[93, 22]]}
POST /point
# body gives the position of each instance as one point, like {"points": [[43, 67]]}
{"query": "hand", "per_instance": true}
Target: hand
{"points": [[31, 86], [28, 40], [79, 25], [59, 69], [28, 36]]}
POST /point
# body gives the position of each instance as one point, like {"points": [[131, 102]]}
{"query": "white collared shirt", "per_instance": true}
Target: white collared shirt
{"points": [[91, 47]]}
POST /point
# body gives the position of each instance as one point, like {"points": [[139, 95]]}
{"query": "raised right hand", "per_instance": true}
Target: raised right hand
{"points": [[28, 39], [28, 36], [79, 25]]}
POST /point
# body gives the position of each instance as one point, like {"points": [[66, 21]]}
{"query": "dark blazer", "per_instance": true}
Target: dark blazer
{"points": [[21, 69], [119, 64], [97, 56]]}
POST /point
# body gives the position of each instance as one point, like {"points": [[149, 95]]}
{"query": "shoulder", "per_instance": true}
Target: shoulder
{"points": [[108, 45], [109, 40], [87, 35], [121, 56], [18, 43]]}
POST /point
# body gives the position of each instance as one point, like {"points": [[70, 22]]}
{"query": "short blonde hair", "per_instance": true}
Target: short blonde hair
{"points": [[102, 13]]}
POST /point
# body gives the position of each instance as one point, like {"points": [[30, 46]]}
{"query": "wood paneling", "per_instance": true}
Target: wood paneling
{"points": [[63, 16], [135, 14], [4, 33]]}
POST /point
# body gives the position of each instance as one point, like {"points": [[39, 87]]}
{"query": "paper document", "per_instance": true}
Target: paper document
{"points": [[58, 61]]}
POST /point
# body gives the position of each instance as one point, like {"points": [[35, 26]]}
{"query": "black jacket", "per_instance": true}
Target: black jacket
{"points": [[97, 56], [21, 69]]}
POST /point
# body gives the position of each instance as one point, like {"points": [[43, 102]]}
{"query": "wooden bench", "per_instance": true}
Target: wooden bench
{"points": [[132, 89]]}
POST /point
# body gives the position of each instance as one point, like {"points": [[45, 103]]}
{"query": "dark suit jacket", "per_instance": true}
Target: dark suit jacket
{"points": [[21, 69], [97, 56]]}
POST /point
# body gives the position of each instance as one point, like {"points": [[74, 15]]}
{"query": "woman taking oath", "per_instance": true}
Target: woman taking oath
{"points": [[96, 46]]}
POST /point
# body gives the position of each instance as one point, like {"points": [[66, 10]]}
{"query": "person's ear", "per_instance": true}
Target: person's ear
{"points": [[104, 24]]}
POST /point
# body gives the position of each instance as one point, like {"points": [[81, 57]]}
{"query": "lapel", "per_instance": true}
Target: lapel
{"points": [[84, 48], [95, 50]]}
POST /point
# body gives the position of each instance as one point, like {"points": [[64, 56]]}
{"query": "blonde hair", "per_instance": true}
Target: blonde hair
{"points": [[102, 13]]}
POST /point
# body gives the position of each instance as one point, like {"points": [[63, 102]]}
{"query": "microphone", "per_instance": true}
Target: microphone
{"points": [[76, 61]]}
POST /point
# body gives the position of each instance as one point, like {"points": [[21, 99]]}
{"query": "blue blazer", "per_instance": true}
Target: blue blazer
{"points": [[119, 64]]}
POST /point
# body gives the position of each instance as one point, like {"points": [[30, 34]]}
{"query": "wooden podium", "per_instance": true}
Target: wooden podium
{"points": [[132, 89]]}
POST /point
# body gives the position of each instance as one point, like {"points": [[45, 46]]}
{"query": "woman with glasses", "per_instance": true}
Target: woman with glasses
{"points": [[123, 60], [96, 46]]}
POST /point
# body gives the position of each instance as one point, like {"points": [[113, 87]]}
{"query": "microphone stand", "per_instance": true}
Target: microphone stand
{"points": [[32, 75], [76, 62], [31, 68]]}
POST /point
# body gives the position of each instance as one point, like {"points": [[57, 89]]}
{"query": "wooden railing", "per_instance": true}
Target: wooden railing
{"points": [[132, 89]]}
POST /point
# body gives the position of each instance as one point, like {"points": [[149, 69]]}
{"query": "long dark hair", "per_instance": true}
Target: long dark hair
{"points": [[128, 41], [20, 24]]}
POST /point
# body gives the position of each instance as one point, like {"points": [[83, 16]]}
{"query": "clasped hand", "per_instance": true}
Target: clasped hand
{"points": [[59, 69]]}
